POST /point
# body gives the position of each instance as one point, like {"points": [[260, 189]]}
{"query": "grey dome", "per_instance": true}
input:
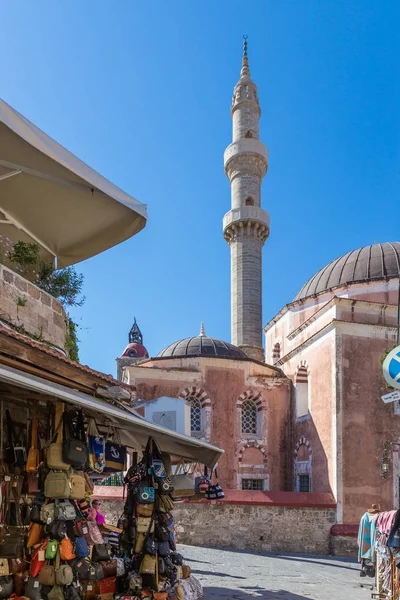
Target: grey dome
{"points": [[201, 345], [380, 261]]}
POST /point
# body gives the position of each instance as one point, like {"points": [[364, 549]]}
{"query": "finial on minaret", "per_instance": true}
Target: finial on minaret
{"points": [[202, 330], [245, 72], [135, 335]]}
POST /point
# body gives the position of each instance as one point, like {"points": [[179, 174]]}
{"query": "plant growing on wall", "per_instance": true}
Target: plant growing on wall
{"points": [[63, 284]]}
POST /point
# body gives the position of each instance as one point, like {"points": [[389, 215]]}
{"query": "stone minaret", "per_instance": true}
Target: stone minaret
{"points": [[246, 225]]}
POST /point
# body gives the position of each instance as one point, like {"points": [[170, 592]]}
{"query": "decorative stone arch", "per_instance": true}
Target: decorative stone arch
{"points": [[250, 395], [303, 365], [302, 390], [276, 352], [205, 403], [256, 445], [302, 468], [255, 398]]}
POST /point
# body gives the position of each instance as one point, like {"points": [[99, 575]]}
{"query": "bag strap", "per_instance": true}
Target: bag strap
{"points": [[80, 426], [34, 428], [58, 559]]}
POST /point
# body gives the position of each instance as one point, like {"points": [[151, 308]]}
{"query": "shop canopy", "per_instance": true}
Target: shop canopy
{"points": [[50, 197], [134, 430]]}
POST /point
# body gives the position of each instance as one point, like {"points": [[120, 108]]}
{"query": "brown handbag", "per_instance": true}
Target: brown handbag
{"points": [[186, 571], [47, 575], [109, 568], [89, 589], [17, 565], [145, 510], [33, 459], [34, 535], [19, 583]]}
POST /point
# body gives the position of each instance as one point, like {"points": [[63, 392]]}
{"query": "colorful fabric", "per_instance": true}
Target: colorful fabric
{"points": [[385, 521], [367, 537], [100, 519]]}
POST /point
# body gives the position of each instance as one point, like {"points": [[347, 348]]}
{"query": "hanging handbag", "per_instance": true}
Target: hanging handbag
{"points": [[77, 486], [70, 593], [139, 543], [164, 549], [57, 530], [144, 524], [38, 559], [162, 532], [165, 504], [57, 485], [17, 565], [19, 585], [4, 568], [165, 485], [108, 586], [183, 482], [148, 565], [63, 573], [51, 549], [120, 566], [96, 448], [93, 535], [33, 589], [81, 568], [34, 534], [6, 586], [54, 457], [109, 568], [150, 546], [89, 590], [96, 572], [144, 510], [64, 510], [66, 549], [56, 593], [33, 459], [214, 492], [101, 552], [34, 515], [46, 513], [12, 543], [115, 454], [74, 444], [81, 548], [15, 452], [81, 527], [47, 575], [145, 494]]}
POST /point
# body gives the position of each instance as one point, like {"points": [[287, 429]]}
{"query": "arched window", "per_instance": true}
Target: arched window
{"points": [[249, 417], [302, 392], [249, 201], [302, 466], [196, 417], [276, 352]]}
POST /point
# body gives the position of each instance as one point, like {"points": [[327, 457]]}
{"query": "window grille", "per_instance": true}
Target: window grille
{"points": [[304, 483], [252, 484], [249, 417], [195, 416]]}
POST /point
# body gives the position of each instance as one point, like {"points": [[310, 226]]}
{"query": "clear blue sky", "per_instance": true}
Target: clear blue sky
{"points": [[141, 92]]}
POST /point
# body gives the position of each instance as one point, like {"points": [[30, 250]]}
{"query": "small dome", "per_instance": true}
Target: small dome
{"points": [[371, 263], [135, 350], [202, 345]]}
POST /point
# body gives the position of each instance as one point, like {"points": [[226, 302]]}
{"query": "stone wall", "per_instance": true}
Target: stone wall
{"points": [[268, 528], [24, 305]]}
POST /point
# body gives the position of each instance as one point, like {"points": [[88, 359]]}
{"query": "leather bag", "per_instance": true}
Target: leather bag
{"points": [[57, 530], [109, 568], [101, 552], [186, 571], [6, 586], [4, 567], [57, 485], [64, 511], [66, 548], [33, 459], [17, 565], [38, 559], [89, 590], [81, 548], [145, 524], [77, 485], [93, 535], [81, 568], [63, 573], [56, 593], [19, 583], [55, 459], [34, 515], [81, 527], [74, 451], [145, 510], [108, 586], [47, 575], [96, 572], [12, 544], [34, 535], [183, 482], [33, 589], [47, 513], [148, 565]]}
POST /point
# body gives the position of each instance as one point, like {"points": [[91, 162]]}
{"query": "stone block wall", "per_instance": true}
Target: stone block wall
{"points": [[24, 305]]}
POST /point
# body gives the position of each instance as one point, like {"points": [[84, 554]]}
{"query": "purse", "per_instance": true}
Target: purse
{"points": [[14, 453], [150, 546], [165, 504], [63, 573], [164, 549], [57, 485], [56, 593], [38, 559], [96, 572], [47, 575], [33, 459], [17, 565], [64, 510], [81, 568], [33, 482], [165, 485], [148, 565], [115, 454], [81, 547], [34, 534], [214, 492], [101, 552], [110, 568], [183, 482], [74, 450], [46, 513], [119, 566], [81, 527], [145, 510], [186, 571], [162, 532], [145, 494], [66, 549], [140, 538], [89, 590], [19, 584], [51, 549], [57, 530], [4, 568], [145, 524], [108, 586], [54, 457], [6, 586], [96, 448], [77, 483], [12, 544], [93, 535]]}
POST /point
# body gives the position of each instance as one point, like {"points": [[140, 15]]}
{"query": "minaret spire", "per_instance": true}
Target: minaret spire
{"points": [[246, 225]]}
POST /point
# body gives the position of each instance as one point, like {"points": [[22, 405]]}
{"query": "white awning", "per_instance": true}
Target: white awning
{"points": [[134, 430], [49, 196]]}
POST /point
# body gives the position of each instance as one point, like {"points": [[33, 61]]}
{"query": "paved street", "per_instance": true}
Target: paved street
{"points": [[266, 576]]}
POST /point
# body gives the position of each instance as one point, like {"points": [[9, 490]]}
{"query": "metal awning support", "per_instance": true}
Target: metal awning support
{"points": [[131, 428]]}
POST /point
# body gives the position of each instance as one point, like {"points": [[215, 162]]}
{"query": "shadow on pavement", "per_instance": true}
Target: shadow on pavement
{"points": [[217, 574], [211, 593]]}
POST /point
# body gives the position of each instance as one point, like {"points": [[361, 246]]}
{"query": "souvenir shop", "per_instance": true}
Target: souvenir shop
{"points": [[56, 441], [379, 551]]}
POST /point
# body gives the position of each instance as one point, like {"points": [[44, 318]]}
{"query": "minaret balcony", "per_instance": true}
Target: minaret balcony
{"points": [[246, 155], [247, 221]]}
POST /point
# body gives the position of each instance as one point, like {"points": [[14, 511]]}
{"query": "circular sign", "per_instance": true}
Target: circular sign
{"points": [[391, 368]]}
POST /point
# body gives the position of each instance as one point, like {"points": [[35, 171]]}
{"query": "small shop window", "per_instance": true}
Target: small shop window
{"points": [[304, 483], [252, 484]]}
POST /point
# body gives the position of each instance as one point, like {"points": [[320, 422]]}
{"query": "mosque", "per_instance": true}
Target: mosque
{"points": [[305, 415]]}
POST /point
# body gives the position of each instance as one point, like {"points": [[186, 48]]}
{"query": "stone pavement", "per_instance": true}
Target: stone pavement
{"points": [[244, 575]]}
